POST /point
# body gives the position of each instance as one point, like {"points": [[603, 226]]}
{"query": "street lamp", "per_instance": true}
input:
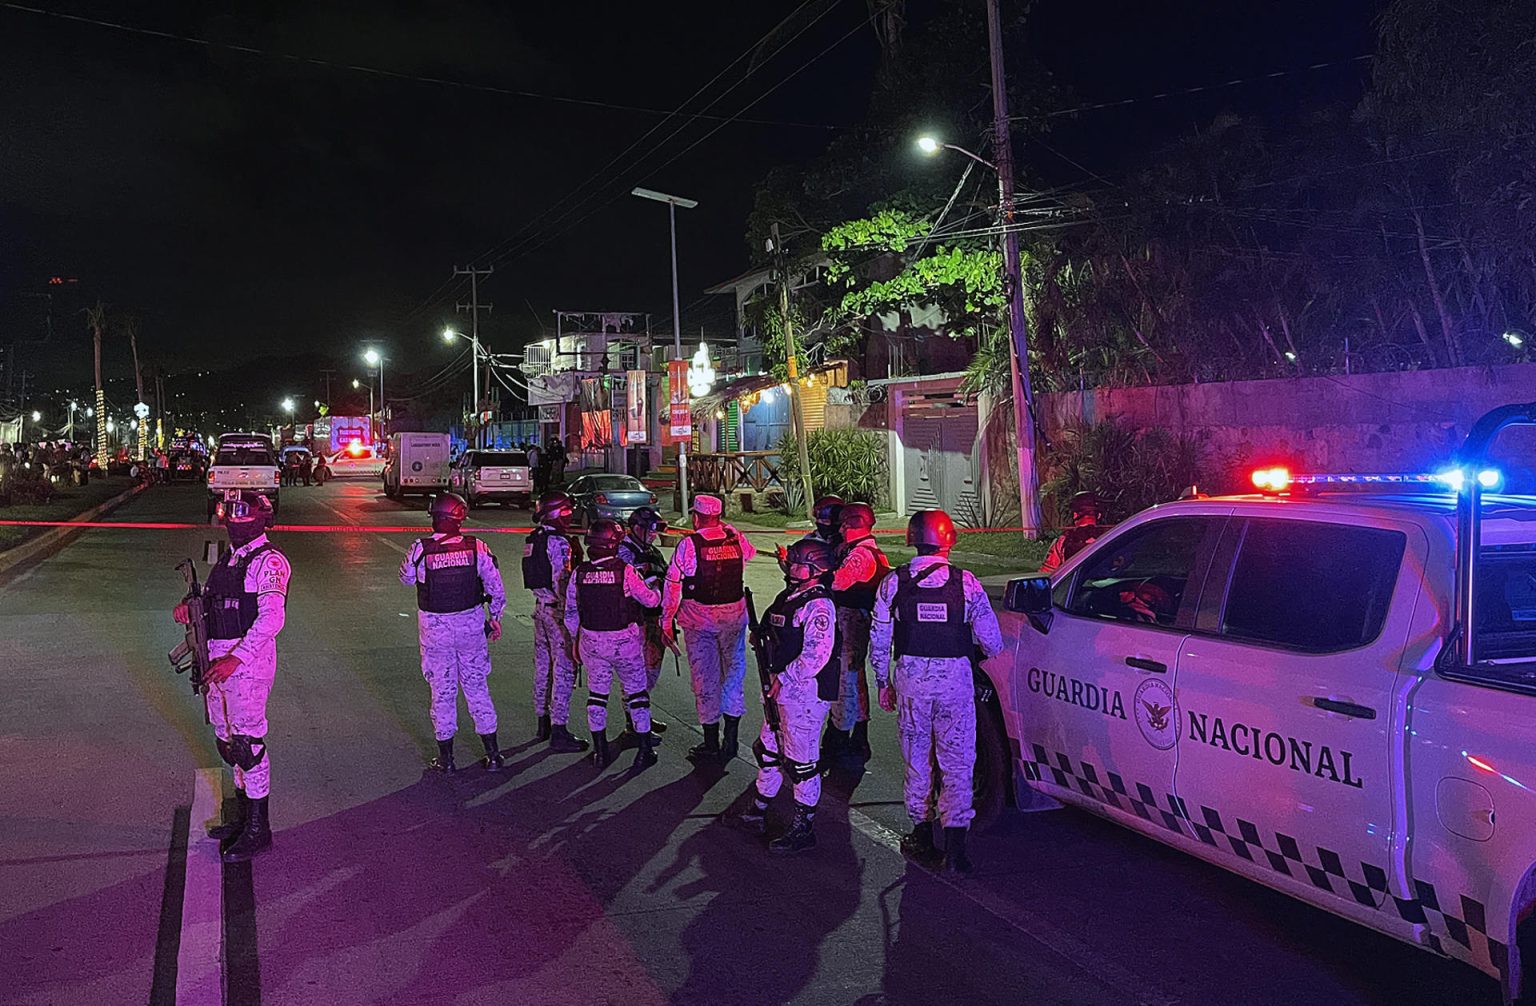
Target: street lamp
{"points": [[288, 406], [1018, 356], [37, 416], [374, 358], [673, 202], [474, 375], [355, 384]]}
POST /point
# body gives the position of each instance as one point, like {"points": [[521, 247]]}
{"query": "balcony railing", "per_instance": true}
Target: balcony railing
{"points": [[723, 473]]}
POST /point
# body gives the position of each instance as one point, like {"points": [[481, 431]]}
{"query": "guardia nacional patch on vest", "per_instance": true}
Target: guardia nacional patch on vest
{"points": [[928, 612], [443, 560]]}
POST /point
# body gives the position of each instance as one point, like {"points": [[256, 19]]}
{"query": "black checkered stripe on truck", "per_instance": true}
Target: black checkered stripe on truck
{"points": [[1463, 921]]}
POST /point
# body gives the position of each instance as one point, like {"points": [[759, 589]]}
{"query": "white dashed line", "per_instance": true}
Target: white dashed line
{"points": [[200, 958]]}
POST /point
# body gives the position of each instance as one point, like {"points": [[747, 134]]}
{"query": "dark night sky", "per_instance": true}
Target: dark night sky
{"points": [[248, 205]]}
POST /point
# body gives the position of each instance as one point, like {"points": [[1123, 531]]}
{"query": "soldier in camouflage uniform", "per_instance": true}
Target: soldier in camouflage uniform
{"points": [[861, 565], [802, 626], [639, 550], [549, 555], [455, 576], [1085, 530], [938, 616], [604, 607], [826, 511]]}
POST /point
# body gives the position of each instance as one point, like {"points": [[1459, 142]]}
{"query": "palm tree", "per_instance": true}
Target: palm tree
{"points": [[96, 319], [131, 324]]}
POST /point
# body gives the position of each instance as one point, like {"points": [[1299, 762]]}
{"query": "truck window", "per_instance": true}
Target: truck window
{"points": [[1312, 586], [1506, 603], [247, 456], [1141, 576], [501, 459]]}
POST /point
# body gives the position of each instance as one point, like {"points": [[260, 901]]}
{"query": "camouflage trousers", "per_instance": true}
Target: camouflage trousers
{"points": [[655, 651], [852, 705], [609, 655], [795, 749], [554, 676], [717, 663], [455, 657], [936, 719], [238, 706]]}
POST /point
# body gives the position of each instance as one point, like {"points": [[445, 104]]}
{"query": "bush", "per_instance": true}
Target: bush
{"points": [[847, 463], [28, 488], [1129, 469]]}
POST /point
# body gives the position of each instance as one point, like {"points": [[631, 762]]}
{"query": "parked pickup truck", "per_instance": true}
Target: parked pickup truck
{"points": [[243, 461], [1285, 685]]}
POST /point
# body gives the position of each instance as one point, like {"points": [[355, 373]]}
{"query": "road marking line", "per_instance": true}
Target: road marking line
{"points": [[199, 961], [356, 523]]}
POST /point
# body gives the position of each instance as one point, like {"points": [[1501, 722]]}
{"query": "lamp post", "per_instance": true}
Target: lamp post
{"points": [[474, 376], [673, 202], [374, 358], [1018, 355]]}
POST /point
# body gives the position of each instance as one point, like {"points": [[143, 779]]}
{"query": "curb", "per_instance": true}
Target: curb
{"points": [[54, 539]]}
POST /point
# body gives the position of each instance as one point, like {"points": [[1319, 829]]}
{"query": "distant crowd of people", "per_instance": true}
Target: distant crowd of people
{"points": [[45, 463]]}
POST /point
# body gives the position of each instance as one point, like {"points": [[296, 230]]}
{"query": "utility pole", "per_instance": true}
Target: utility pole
{"points": [[1018, 359], [327, 375], [474, 307], [792, 365]]}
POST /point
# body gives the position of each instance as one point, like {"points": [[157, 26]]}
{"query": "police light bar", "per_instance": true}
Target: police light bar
{"points": [[1278, 480]]}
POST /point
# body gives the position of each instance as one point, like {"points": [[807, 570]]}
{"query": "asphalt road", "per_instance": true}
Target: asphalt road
{"points": [[550, 883]]}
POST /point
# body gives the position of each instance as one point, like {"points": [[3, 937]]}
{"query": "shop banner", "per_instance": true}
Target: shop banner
{"points": [[680, 427], [635, 421]]}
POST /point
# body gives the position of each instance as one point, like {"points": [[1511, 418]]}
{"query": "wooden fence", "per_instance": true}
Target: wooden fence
{"points": [[723, 473]]}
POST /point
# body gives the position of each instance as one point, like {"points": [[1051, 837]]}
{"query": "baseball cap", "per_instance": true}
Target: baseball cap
{"points": [[708, 505]]}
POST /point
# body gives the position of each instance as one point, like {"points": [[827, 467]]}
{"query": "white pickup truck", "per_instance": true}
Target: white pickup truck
{"points": [[243, 461], [1285, 685]]}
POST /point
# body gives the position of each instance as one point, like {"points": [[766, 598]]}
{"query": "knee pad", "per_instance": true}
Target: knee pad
{"points": [[765, 758], [225, 754], [246, 752], [803, 771], [640, 700], [594, 699]]}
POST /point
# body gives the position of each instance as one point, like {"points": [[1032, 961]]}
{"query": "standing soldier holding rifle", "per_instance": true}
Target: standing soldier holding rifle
{"points": [[639, 550], [548, 558], [243, 609], [798, 637], [861, 565]]}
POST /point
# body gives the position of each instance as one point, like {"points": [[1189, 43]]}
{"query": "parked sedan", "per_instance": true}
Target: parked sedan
{"points": [[604, 495]]}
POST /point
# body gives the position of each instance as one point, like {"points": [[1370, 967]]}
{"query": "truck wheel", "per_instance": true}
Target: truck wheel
{"points": [[993, 771]]}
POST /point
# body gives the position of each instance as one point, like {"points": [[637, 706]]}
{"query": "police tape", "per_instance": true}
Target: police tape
{"points": [[128, 525]]}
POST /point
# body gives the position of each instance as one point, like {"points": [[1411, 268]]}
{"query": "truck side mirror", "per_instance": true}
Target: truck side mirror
{"points": [[1031, 596]]}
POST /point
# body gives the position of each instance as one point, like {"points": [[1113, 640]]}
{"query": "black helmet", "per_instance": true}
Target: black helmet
{"points": [[933, 528], [826, 510], [856, 515], [813, 554], [242, 506], [554, 507], [1085, 502], [448, 508], [604, 536], [648, 520]]}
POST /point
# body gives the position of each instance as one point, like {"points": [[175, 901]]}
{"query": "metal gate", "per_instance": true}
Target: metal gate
{"points": [[939, 445]]}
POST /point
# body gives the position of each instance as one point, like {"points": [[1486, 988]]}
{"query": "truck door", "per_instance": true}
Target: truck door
{"points": [[1098, 686], [1285, 699]]}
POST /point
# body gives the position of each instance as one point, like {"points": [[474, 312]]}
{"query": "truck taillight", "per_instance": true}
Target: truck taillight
{"points": [[275, 478]]}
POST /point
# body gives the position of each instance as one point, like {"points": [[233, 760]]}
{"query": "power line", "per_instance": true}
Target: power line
{"points": [[377, 71]]}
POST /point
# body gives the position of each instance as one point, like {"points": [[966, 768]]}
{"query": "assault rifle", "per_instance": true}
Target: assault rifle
{"points": [[191, 654], [762, 649]]}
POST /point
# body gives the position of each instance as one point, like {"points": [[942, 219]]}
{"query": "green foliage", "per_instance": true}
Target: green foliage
{"points": [[846, 463], [1129, 470]]}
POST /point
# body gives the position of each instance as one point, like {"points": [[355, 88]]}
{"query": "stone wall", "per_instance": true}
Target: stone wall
{"points": [[1399, 421]]}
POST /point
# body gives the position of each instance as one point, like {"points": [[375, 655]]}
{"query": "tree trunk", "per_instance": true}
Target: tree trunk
{"points": [[101, 403], [138, 382], [1447, 329]]}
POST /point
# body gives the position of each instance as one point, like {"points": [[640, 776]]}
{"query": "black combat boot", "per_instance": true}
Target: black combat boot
{"points": [[257, 836], [560, 739], [858, 743], [542, 734], [600, 755], [729, 745], [444, 760], [710, 749], [492, 760], [955, 859], [801, 835], [234, 824], [917, 844], [657, 727], [645, 752], [754, 819]]}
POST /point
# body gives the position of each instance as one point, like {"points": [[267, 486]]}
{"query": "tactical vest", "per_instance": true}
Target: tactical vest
{"points": [[861, 596], [230, 608], [789, 639], [930, 619], [537, 572], [600, 597], [1077, 538], [451, 576], [718, 567]]}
